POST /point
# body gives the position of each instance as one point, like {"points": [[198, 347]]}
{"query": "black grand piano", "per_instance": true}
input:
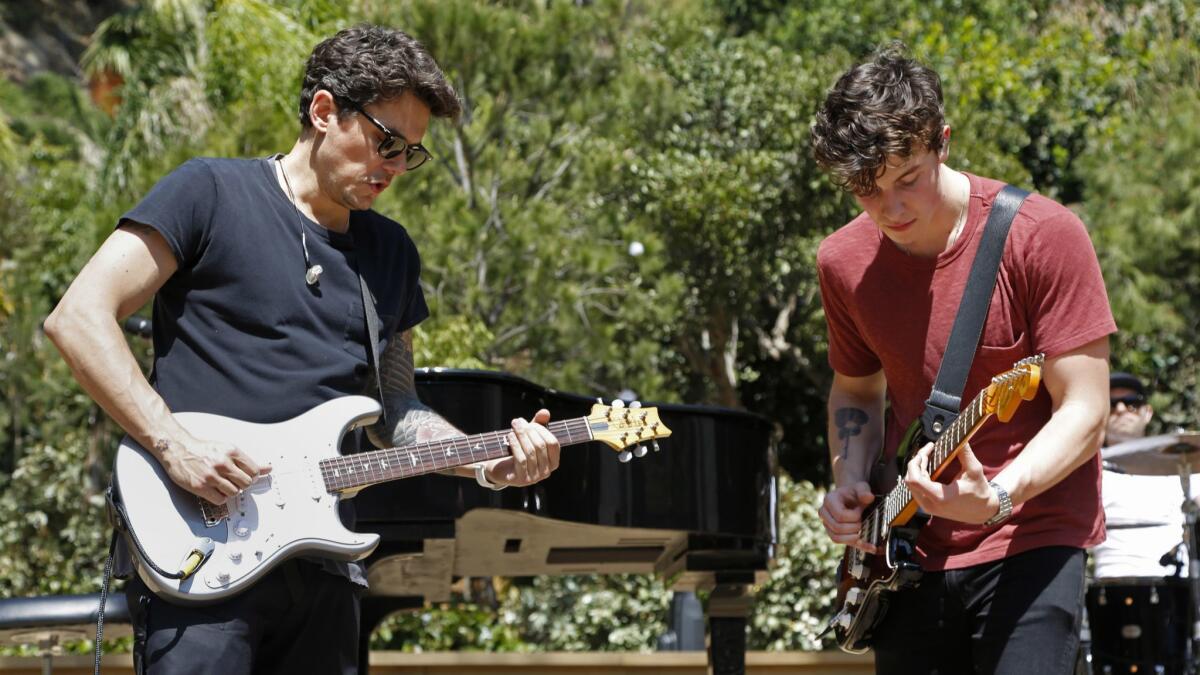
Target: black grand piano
{"points": [[700, 512]]}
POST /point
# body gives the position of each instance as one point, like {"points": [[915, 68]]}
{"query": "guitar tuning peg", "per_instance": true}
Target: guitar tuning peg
{"points": [[655, 446], [618, 403], [624, 456], [599, 400], [640, 451], [635, 404]]}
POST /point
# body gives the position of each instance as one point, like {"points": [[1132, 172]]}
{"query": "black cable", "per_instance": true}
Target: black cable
{"points": [[108, 564]]}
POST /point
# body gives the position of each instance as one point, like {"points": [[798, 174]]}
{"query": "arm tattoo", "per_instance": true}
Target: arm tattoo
{"points": [[408, 420], [849, 422]]}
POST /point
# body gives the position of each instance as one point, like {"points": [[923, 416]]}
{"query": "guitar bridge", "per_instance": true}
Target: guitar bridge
{"points": [[213, 513]]}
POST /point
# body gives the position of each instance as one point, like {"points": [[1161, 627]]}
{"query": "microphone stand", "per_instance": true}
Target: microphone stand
{"points": [[1190, 510]]}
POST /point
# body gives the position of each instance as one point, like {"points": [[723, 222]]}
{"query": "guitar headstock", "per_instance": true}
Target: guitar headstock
{"points": [[620, 427], [1009, 388]]}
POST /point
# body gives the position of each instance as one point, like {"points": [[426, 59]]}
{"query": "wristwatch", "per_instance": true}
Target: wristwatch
{"points": [[1005, 506], [481, 478]]}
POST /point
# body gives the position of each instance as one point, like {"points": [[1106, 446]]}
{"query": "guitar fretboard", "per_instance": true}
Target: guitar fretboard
{"points": [[874, 527], [350, 472]]}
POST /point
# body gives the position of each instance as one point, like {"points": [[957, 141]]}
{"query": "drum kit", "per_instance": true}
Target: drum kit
{"points": [[1150, 625]]}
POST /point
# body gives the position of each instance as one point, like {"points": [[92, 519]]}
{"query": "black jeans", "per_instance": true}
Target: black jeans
{"points": [[1017, 616], [297, 619]]}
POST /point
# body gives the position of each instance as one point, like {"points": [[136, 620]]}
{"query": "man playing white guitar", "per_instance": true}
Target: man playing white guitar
{"points": [[256, 268], [1004, 551]]}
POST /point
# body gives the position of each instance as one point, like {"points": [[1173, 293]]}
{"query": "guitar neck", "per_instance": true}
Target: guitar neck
{"points": [[945, 449], [354, 472]]}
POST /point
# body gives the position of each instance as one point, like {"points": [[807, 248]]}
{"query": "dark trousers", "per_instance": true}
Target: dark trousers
{"points": [[297, 619], [1017, 616]]}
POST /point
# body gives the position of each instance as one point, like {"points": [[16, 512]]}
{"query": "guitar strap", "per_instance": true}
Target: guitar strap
{"points": [[945, 400], [372, 328], [372, 335]]}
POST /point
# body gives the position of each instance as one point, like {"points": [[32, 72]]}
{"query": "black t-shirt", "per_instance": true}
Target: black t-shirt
{"points": [[237, 331]]}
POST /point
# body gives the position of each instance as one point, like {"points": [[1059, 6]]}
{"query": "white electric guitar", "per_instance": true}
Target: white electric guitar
{"points": [[191, 551]]}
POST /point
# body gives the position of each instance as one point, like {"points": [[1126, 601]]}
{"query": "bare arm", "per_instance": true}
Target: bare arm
{"points": [[535, 451], [131, 265], [408, 419], [855, 439], [855, 425], [1078, 386]]}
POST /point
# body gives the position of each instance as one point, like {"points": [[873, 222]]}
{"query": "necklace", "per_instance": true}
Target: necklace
{"points": [[961, 220], [312, 275]]}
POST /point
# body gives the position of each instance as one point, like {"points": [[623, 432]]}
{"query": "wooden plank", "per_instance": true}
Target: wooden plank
{"points": [[548, 663]]}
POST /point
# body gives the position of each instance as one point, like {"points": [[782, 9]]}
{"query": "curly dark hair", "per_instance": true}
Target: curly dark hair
{"points": [[366, 63], [877, 109]]}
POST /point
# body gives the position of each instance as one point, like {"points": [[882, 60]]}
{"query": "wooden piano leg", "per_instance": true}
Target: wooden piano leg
{"points": [[728, 606]]}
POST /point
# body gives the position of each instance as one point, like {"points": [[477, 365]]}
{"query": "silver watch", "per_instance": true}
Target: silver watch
{"points": [[1005, 506]]}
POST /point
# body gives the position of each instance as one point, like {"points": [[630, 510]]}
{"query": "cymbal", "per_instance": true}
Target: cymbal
{"points": [[1137, 524], [1156, 455]]}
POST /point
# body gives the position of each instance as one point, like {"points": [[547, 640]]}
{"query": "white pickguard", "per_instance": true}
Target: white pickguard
{"points": [[284, 514]]}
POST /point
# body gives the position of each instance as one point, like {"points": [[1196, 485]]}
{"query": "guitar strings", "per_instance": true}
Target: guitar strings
{"points": [[433, 451]]}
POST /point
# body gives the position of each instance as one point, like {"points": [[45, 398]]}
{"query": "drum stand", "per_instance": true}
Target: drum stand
{"points": [[1190, 513]]}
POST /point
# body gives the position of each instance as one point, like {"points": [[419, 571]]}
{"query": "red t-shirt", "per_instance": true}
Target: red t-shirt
{"points": [[891, 311]]}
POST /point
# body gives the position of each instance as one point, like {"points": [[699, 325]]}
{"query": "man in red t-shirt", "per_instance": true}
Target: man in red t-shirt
{"points": [[1003, 586]]}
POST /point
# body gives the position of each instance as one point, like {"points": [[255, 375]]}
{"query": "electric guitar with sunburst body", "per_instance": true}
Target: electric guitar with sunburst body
{"points": [[891, 523]]}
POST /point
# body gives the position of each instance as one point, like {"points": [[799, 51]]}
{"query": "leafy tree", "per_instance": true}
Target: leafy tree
{"points": [[513, 239], [52, 439], [1143, 206]]}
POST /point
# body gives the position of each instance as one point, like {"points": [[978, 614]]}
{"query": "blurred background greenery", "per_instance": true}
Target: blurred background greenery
{"points": [[632, 174]]}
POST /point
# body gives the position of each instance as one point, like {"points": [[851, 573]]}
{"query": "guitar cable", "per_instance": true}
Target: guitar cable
{"points": [[119, 521], [108, 565]]}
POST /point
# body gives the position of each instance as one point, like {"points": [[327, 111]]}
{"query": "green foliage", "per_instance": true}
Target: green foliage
{"points": [[510, 230], [461, 626], [1144, 208], [570, 613], [608, 613], [722, 177], [54, 442]]}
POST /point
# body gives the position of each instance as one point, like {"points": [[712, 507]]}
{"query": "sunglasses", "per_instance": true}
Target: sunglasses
{"points": [[393, 144], [1131, 401]]}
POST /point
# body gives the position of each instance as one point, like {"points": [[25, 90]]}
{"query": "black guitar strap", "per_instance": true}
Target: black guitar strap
{"points": [[372, 333], [945, 400]]}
